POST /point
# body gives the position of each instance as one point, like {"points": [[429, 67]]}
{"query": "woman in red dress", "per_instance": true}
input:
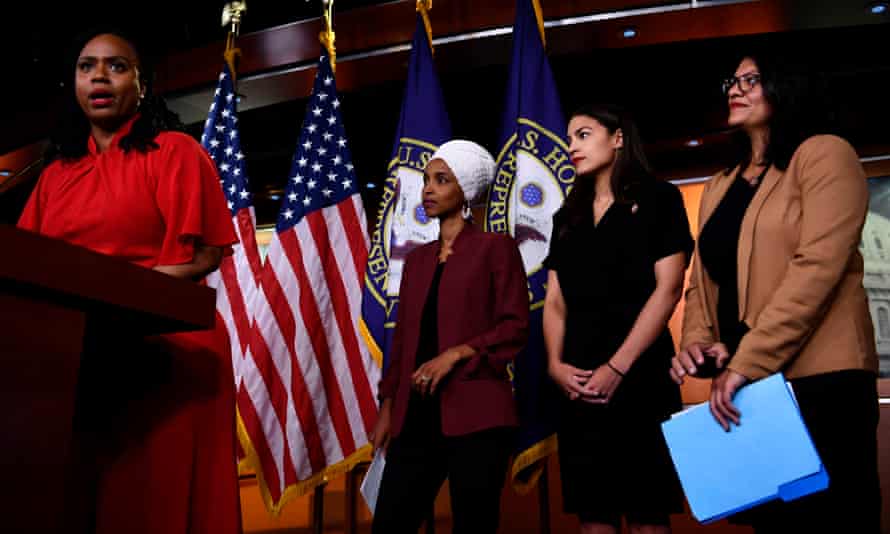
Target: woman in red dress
{"points": [[159, 417]]}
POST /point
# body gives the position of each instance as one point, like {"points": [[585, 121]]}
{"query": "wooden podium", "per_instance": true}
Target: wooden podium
{"points": [[57, 302]]}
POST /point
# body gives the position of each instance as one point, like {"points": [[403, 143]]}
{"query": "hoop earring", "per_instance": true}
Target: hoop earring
{"points": [[467, 212]]}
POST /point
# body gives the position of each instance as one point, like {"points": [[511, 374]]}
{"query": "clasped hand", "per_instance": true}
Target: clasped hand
{"points": [[594, 386], [690, 361]]}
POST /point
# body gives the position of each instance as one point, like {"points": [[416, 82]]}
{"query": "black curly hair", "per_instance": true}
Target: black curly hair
{"points": [[69, 141]]}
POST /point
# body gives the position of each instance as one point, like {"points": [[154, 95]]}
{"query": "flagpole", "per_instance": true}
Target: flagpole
{"points": [[327, 40], [231, 16], [327, 36], [544, 500], [423, 7], [318, 509]]}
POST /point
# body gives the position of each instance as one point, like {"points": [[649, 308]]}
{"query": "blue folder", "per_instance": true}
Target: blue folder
{"points": [[769, 456]]}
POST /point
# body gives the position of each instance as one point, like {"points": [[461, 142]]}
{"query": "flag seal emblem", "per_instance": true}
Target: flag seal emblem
{"points": [[533, 176]]}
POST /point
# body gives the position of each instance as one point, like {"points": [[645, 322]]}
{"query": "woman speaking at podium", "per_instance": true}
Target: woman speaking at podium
{"points": [[160, 418]]}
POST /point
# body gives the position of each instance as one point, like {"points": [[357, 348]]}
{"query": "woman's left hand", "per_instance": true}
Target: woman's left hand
{"points": [[723, 389], [602, 385], [427, 376]]}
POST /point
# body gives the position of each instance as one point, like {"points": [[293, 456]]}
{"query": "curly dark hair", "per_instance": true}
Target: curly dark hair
{"points": [[69, 140]]}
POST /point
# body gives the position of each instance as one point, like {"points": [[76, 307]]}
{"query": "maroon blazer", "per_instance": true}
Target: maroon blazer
{"points": [[483, 302]]}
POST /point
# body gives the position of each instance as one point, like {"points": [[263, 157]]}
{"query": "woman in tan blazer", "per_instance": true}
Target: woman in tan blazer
{"points": [[776, 287]]}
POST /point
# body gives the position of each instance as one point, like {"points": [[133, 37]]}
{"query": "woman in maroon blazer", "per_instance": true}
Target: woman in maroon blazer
{"points": [[446, 397]]}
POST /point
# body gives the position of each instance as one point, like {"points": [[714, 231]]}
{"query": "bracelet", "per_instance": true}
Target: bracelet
{"points": [[612, 367]]}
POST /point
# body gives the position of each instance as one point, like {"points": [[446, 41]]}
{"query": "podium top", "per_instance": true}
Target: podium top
{"points": [[39, 267]]}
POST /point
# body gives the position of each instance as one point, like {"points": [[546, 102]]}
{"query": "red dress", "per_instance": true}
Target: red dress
{"points": [[168, 464]]}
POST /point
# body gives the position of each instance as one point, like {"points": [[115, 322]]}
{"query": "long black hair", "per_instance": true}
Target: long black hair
{"points": [[631, 168], [800, 108], [69, 141]]}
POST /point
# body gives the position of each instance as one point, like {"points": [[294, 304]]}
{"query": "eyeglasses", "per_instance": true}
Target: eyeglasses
{"points": [[746, 82]]}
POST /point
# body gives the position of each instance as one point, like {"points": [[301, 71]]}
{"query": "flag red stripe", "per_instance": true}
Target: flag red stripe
{"points": [[357, 243], [342, 314], [227, 270], [274, 384], [317, 336], [287, 325], [244, 220], [258, 440], [290, 473]]}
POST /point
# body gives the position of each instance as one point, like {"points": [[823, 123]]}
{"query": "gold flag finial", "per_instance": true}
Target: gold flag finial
{"points": [[231, 16], [424, 7], [327, 35]]}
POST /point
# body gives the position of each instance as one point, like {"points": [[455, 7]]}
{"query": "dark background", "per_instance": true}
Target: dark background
{"points": [[673, 88]]}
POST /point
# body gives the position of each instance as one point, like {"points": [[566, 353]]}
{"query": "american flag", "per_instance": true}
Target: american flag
{"points": [[309, 396], [238, 274], [236, 279]]}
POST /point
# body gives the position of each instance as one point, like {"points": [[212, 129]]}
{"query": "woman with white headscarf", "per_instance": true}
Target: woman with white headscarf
{"points": [[447, 405]]}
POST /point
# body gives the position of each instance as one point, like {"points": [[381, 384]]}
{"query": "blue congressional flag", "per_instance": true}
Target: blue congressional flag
{"points": [[402, 223], [533, 176]]}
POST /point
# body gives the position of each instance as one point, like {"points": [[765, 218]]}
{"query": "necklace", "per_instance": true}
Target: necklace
{"points": [[756, 180]]}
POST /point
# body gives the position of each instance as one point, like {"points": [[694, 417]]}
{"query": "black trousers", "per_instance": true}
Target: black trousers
{"points": [[416, 467], [841, 413]]}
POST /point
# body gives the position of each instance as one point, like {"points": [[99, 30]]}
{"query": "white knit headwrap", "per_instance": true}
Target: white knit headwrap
{"points": [[471, 164]]}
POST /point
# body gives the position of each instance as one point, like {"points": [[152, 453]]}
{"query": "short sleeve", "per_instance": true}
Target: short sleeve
{"points": [[671, 225], [31, 217], [557, 242], [190, 199]]}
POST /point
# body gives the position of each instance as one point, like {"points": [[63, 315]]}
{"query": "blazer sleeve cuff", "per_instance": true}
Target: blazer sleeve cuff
{"points": [[387, 388], [750, 370], [696, 335], [484, 358]]}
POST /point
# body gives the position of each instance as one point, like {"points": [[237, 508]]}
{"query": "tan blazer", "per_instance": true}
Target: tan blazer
{"points": [[799, 268]]}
